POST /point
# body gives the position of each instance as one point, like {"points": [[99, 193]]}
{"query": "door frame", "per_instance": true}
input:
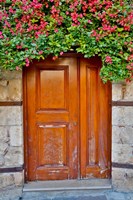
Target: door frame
{"points": [[25, 121]]}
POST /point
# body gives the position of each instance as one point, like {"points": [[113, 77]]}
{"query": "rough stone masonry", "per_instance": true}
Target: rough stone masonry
{"points": [[122, 137], [11, 135]]}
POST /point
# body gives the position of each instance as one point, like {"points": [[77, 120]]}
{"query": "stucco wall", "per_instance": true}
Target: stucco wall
{"points": [[11, 136]]}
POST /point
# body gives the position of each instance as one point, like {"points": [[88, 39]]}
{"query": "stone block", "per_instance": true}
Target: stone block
{"points": [[11, 90], [122, 116], [11, 179], [3, 82], [9, 75], [122, 153], [122, 179], [3, 93], [10, 115], [117, 92], [14, 157], [129, 92], [2, 161], [6, 180], [16, 136], [4, 134], [3, 148], [122, 134], [19, 178], [15, 90]]}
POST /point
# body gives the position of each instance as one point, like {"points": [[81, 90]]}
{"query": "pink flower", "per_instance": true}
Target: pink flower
{"points": [[56, 30], [94, 33], [108, 59], [19, 47], [130, 57], [11, 10], [1, 36], [27, 62], [74, 24], [74, 16], [17, 68], [38, 6], [40, 52], [129, 67], [55, 57], [61, 53], [89, 21], [127, 28]]}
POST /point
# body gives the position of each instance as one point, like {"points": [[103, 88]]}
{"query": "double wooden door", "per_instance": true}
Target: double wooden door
{"points": [[67, 117]]}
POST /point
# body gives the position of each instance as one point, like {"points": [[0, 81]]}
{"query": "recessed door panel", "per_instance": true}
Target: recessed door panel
{"points": [[52, 90], [52, 145], [92, 115]]}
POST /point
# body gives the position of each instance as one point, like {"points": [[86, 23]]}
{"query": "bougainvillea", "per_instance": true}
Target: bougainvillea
{"points": [[33, 29]]}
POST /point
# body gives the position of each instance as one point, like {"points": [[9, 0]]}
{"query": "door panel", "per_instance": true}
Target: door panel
{"points": [[60, 95], [52, 145], [53, 117], [95, 121], [53, 82]]}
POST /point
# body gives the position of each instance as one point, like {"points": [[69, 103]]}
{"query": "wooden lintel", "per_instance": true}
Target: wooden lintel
{"points": [[122, 165], [11, 169], [10, 103], [122, 103]]}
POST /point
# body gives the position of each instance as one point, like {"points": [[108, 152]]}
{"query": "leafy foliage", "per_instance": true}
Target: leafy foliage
{"points": [[33, 29]]}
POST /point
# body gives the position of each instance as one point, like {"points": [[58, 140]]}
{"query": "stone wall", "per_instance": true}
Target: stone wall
{"points": [[122, 138], [10, 86], [11, 134]]}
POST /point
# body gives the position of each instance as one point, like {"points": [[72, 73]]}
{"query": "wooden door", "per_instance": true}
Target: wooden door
{"points": [[67, 120], [51, 89], [95, 121]]}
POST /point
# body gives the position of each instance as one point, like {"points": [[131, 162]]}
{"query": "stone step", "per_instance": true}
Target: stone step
{"points": [[63, 196], [64, 185], [92, 189], [77, 195]]}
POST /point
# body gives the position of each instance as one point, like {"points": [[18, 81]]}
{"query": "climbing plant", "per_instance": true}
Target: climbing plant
{"points": [[34, 29]]}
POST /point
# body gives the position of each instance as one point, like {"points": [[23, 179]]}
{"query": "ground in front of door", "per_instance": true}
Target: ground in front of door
{"points": [[82, 195], [68, 195]]}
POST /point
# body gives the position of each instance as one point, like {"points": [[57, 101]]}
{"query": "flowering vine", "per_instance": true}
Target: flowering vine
{"points": [[33, 29]]}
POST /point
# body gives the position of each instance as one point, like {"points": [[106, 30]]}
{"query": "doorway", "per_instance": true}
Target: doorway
{"points": [[67, 119]]}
